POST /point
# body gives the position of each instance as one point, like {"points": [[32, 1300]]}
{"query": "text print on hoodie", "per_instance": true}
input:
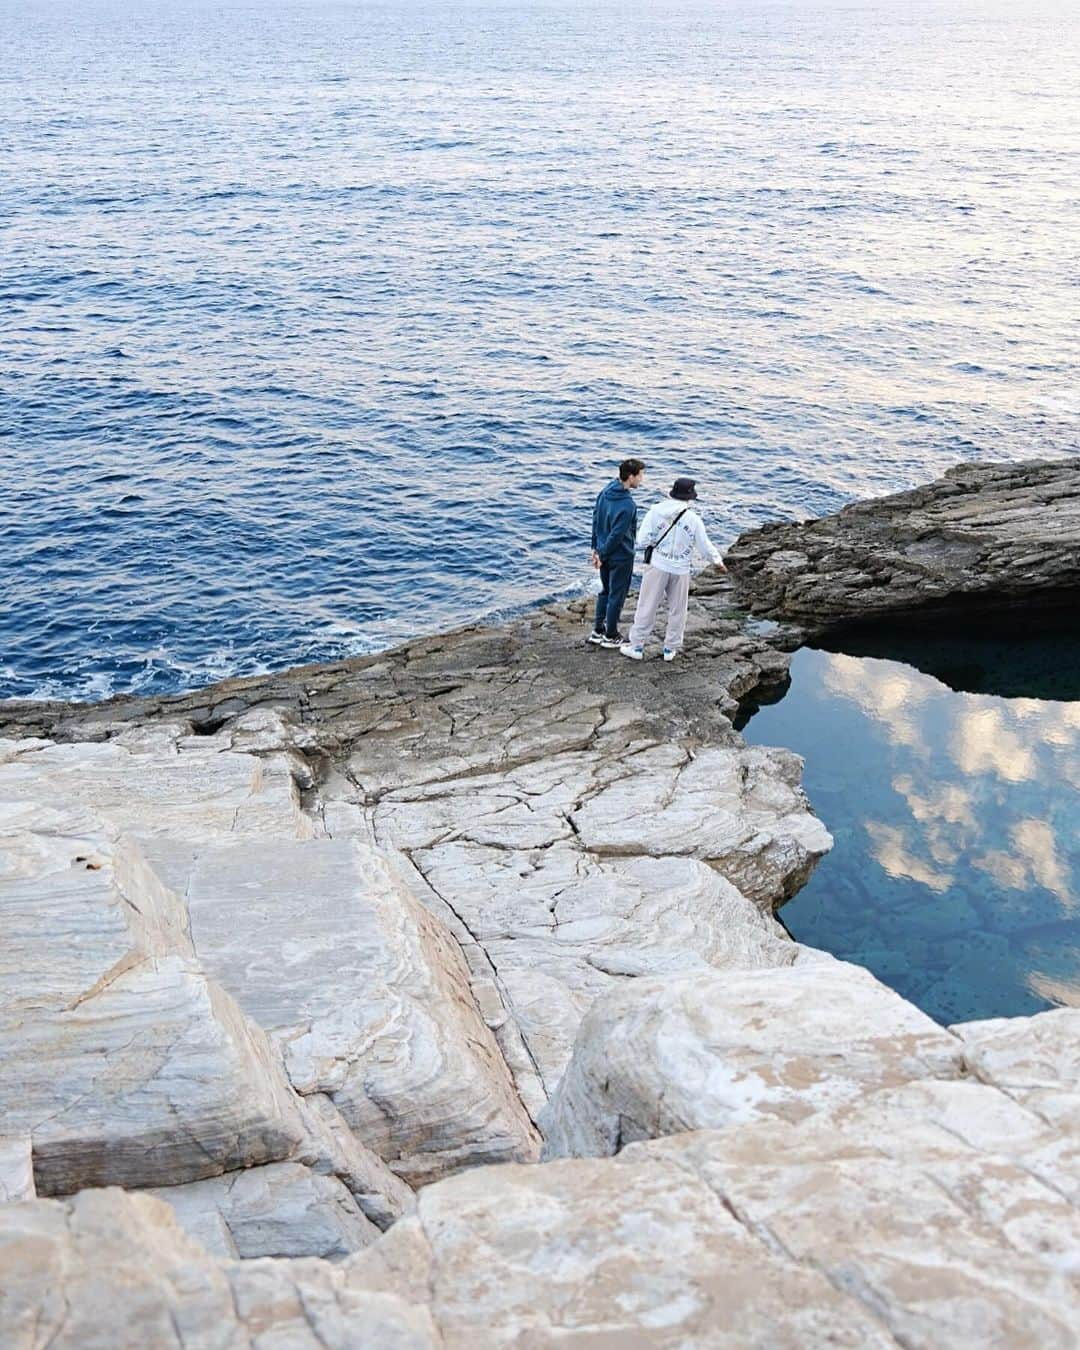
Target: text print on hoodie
{"points": [[676, 552]]}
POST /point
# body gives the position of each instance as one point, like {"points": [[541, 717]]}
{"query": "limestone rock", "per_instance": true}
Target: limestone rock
{"points": [[714, 1050], [282, 1209], [145, 781], [1026, 1054], [16, 1169], [572, 871], [486, 725], [893, 1217], [957, 1249], [323, 944], [952, 1125], [155, 1076], [453, 741], [109, 1270], [561, 926], [984, 539], [1036, 1060], [121, 1061], [741, 810], [331, 1149], [604, 1252]]}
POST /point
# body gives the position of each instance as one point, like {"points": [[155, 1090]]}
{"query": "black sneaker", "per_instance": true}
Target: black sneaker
{"points": [[597, 637], [616, 641]]}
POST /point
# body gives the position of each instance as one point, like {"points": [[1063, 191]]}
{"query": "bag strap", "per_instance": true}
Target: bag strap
{"points": [[671, 527]]}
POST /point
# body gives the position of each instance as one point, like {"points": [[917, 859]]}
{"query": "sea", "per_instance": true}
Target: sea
{"points": [[323, 321]]}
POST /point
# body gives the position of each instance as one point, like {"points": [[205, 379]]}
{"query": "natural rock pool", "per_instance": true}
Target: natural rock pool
{"points": [[955, 876]]}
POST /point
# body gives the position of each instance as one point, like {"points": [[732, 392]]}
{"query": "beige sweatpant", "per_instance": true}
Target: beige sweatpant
{"points": [[657, 585]]}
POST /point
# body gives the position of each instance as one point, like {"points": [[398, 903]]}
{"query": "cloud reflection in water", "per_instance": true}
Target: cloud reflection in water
{"points": [[956, 871]]}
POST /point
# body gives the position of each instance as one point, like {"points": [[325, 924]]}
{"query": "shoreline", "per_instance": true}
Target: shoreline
{"points": [[293, 960], [559, 629]]}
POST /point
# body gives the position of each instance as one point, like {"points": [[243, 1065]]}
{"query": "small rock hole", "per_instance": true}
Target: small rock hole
{"points": [[210, 727]]}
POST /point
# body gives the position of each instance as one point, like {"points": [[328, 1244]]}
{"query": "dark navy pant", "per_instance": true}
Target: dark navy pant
{"points": [[614, 583]]}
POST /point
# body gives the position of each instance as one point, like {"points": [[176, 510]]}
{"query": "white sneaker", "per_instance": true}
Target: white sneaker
{"points": [[670, 653], [634, 653]]}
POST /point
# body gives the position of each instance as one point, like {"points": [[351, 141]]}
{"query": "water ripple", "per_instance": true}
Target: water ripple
{"points": [[324, 323]]}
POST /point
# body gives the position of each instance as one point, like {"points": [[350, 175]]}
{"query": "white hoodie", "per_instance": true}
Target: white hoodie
{"points": [[676, 552]]}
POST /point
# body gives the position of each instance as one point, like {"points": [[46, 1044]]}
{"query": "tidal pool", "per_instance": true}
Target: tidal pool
{"points": [[955, 875]]}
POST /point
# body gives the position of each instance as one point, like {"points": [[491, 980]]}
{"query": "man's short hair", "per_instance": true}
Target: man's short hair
{"points": [[628, 468]]}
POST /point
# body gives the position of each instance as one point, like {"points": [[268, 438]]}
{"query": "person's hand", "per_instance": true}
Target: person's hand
{"points": [[718, 566], [594, 558]]}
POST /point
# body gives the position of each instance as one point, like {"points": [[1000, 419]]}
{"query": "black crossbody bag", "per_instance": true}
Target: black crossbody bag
{"points": [[649, 547]]}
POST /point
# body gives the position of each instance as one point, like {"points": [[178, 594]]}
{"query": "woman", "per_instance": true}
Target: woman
{"points": [[670, 534]]}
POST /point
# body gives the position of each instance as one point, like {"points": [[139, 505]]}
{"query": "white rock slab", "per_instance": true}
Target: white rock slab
{"points": [[146, 781], [121, 1061], [741, 809], [16, 1169], [606, 1253], [156, 1076], [707, 1051], [562, 927], [1036, 1060], [282, 1209], [580, 869], [969, 1138], [63, 875], [323, 944], [1026, 1053], [111, 1270], [944, 1252], [822, 1232]]}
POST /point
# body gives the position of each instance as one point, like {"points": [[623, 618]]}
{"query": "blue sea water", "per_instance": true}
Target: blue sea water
{"points": [[323, 320]]}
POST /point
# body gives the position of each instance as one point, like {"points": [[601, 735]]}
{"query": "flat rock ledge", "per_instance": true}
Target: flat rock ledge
{"points": [[986, 540], [303, 976]]}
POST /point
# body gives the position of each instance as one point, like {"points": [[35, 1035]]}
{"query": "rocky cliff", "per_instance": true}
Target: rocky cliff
{"points": [[998, 542]]}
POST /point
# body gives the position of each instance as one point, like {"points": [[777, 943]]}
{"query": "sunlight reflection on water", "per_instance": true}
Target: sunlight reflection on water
{"points": [[325, 322]]}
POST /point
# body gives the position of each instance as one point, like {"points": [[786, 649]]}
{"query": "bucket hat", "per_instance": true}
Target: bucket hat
{"points": [[684, 490]]}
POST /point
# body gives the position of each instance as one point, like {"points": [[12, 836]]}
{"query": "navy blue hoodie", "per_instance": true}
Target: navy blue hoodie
{"points": [[614, 523]]}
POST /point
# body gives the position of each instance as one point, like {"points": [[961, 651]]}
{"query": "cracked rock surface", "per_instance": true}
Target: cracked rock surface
{"points": [[295, 968], [923, 1213], [986, 539], [299, 953]]}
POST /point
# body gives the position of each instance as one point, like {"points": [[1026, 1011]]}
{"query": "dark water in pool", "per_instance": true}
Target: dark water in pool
{"points": [[955, 876]]}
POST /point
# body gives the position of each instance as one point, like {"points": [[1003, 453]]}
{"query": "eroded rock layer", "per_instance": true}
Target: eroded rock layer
{"points": [[985, 540]]}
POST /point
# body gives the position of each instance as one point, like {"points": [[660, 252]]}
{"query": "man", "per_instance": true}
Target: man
{"points": [[613, 523], [674, 532]]}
